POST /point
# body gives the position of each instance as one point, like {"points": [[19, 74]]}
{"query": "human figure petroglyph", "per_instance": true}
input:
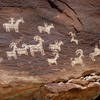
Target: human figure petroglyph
{"points": [[78, 60], [47, 28], [36, 48], [95, 53], [73, 35], [56, 46], [12, 25], [53, 60]]}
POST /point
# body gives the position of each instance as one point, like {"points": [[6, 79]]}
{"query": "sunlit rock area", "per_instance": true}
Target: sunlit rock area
{"points": [[49, 49]]}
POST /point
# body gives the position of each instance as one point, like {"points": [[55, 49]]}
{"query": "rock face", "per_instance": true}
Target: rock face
{"points": [[49, 49]]}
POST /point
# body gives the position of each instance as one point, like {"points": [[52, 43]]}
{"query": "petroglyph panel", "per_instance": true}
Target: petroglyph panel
{"points": [[50, 42], [31, 49], [38, 42]]}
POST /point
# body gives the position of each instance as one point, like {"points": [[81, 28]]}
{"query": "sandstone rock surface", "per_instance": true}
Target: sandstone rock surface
{"points": [[31, 77]]}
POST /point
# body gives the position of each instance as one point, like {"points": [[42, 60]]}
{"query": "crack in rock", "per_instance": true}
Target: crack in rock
{"points": [[82, 82]]}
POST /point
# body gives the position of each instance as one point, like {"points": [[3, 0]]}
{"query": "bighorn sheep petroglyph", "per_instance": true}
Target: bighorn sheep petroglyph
{"points": [[73, 35], [36, 48], [95, 53], [46, 28], [56, 46], [78, 60], [12, 25], [53, 60]]}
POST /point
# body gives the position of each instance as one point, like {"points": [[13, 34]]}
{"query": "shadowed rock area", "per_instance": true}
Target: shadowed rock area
{"points": [[31, 67]]}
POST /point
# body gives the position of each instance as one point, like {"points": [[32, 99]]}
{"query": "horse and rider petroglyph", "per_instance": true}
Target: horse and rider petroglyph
{"points": [[56, 46], [73, 35], [95, 53], [47, 28], [13, 25], [78, 60]]}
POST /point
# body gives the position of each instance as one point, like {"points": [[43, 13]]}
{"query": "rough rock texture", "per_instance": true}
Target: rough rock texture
{"points": [[31, 78]]}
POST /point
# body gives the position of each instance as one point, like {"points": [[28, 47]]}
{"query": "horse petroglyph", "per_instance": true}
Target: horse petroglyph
{"points": [[73, 35], [78, 60], [47, 28], [53, 60], [13, 25], [56, 46], [95, 53]]}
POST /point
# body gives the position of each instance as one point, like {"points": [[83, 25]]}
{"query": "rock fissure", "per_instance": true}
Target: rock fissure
{"points": [[82, 82]]}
